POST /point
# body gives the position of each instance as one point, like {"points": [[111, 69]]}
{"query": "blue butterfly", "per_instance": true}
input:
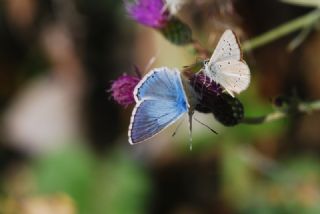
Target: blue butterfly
{"points": [[162, 97]]}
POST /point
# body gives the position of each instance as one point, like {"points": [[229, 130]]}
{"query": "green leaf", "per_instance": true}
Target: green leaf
{"points": [[70, 171], [122, 186]]}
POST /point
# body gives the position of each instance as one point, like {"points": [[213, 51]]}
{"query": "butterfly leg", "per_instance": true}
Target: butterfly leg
{"points": [[176, 130]]}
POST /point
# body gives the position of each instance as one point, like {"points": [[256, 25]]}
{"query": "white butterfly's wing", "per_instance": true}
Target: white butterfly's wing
{"points": [[233, 75], [226, 66], [227, 48], [175, 6]]}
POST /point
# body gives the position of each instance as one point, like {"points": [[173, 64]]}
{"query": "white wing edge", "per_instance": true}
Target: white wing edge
{"points": [[145, 77], [150, 73]]}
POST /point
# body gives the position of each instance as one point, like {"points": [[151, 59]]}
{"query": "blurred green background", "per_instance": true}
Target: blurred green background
{"points": [[63, 140]]}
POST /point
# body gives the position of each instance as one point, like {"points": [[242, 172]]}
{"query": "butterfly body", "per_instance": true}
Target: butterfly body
{"points": [[161, 99], [226, 66]]}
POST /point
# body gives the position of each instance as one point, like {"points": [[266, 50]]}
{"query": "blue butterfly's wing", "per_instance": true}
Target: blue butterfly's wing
{"points": [[152, 116], [162, 83], [160, 102]]}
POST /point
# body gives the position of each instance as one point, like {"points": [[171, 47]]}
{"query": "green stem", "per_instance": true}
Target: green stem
{"points": [[315, 105], [264, 119], [309, 107], [282, 30], [304, 108]]}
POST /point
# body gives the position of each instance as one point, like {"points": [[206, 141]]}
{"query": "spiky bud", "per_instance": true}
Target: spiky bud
{"points": [[177, 32]]}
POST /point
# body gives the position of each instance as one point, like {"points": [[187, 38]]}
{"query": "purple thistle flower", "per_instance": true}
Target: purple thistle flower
{"points": [[205, 86], [122, 89], [151, 13]]}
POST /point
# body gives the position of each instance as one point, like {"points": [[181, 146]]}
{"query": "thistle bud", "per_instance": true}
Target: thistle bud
{"points": [[177, 32]]}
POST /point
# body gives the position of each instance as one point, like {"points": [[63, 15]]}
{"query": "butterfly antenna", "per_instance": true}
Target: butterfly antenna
{"points": [[178, 126], [205, 125], [190, 129], [151, 61]]}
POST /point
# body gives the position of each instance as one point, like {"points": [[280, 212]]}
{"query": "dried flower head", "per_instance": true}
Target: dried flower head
{"points": [[226, 109], [205, 86], [151, 13], [122, 89]]}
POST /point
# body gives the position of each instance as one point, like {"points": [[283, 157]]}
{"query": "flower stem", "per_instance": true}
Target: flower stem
{"points": [[309, 107], [264, 119], [304, 108], [282, 30]]}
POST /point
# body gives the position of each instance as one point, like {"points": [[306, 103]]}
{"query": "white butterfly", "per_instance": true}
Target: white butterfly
{"points": [[226, 65], [175, 6]]}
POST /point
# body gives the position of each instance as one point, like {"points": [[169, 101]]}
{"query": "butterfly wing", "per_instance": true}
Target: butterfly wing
{"points": [[161, 83], [152, 116], [233, 75], [227, 48], [226, 66], [160, 102], [175, 6]]}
